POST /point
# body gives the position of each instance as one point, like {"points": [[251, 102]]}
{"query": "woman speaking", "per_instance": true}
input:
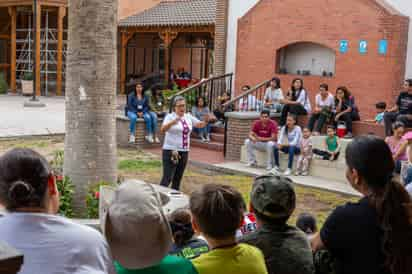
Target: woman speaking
{"points": [[177, 127]]}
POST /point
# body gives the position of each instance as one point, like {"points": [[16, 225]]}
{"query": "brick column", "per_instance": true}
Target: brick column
{"points": [[222, 8], [238, 128]]}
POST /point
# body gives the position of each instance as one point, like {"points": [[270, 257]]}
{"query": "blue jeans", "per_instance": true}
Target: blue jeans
{"points": [[408, 178], [150, 119], [203, 131], [291, 150]]}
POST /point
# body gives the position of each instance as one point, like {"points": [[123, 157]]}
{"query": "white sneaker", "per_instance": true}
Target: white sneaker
{"points": [[288, 172], [157, 140], [275, 170], [269, 168], [149, 139], [252, 164], [207, 139], [203, 139], [297, 173], [132, 139], [305, 173]]}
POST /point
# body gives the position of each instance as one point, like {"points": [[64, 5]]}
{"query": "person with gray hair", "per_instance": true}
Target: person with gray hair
{"points": [[177, 127]]}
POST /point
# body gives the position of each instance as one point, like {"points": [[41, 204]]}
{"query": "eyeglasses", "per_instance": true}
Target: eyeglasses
{"points": [[180, 106]]}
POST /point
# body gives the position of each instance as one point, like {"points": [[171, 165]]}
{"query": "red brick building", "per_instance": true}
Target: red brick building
{"points": [[294, 38]]}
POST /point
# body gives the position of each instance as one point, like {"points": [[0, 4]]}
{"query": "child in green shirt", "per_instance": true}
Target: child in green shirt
{"points": [[332, 146], [217, 214]]}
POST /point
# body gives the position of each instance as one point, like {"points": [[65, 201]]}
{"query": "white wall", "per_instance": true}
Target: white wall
{"points": [[307, 56], [405, 7], [237, 8]]}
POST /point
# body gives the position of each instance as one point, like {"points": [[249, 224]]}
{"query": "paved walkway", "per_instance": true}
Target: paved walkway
{"points": [[309, 181], [17, 121]]}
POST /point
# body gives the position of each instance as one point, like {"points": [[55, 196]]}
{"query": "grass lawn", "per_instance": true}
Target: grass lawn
{"points": [[147, 167]]}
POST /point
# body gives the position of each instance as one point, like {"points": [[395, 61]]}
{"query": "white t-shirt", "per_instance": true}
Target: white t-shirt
{"points": [[176, 138], [52, 244], [273, 95], [328, 102], [303, 99]]}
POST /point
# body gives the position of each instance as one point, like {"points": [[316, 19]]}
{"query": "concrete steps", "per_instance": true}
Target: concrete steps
{"points": [[327, 170]]}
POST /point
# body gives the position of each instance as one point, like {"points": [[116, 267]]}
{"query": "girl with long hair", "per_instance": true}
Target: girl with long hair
{"points": [[374, 235]]}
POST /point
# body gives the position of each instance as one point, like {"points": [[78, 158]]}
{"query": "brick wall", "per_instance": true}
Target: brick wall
{"points": [[271, 25], [220, 36]]}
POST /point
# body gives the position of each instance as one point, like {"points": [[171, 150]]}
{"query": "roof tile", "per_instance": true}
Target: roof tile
{"points": [[174, 13]]}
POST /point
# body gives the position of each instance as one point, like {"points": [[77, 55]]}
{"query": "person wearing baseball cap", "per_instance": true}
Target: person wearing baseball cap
{"points": [[286, 248], [138, 232]]}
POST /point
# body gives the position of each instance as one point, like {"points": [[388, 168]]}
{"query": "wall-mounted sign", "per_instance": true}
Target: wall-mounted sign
{"points": [[363, 46], [383, 47], [343, 46]]}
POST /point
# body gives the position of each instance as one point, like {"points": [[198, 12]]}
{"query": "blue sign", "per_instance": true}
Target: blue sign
{"points": [[363, 46], [343, 46], [383, 47]]}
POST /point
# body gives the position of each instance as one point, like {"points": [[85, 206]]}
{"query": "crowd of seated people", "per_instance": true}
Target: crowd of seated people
{"points": [[372, 235]]}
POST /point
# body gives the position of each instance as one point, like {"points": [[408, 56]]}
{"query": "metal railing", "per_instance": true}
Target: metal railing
{"points": [[249, 100], [210, 89]]}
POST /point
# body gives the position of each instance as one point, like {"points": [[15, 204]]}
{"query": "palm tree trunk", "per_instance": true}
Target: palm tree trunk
{"points": [[90, 143]]}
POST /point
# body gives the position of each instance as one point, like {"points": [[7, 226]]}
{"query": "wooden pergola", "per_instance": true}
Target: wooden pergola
{"points": [[167, 35], [12, 6]]}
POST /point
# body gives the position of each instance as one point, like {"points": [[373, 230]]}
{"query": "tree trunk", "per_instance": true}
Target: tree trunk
{"points": [[90, 143]]}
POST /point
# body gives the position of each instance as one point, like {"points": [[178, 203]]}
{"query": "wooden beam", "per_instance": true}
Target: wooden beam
{"points": [[60, 19], [13, 19], [168, 37], [19, 3], [124, 37], [38, 50]]}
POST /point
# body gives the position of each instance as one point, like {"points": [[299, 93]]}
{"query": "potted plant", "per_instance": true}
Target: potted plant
{"points": [[27, 84]]}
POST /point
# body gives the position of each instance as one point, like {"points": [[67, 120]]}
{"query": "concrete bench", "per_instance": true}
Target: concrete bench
{"points": [[319, 168], [123, 132]]}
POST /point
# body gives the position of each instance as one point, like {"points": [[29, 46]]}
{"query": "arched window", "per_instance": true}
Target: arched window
{"points": [[306, 58]]}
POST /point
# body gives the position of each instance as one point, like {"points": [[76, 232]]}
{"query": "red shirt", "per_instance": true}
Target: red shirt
{"points": [[266, 131]]}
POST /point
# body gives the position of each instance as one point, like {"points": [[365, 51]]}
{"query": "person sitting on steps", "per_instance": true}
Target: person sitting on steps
{"points": [[274, 95], [138, 107], [331, 146], [344, 109], [402, 111], [296, 102], [288, 142], [325, 104], [262, 137]]}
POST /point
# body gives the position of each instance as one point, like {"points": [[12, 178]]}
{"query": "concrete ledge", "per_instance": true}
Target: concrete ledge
{"points": [[123, 132]]}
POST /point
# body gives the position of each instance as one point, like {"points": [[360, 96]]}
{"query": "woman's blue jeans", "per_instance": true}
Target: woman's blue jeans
{"points": [[150, 119], [203, 131], [291, 150]]}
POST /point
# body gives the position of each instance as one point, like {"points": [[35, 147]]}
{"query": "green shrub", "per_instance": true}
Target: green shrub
{"points": [[3, 84], [66, 190]]}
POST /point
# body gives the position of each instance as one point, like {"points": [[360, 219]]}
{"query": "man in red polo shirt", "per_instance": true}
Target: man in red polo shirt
{"points": [[263, 138]]}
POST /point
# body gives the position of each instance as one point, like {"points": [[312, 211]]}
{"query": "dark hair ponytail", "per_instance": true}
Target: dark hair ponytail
{"points": [[181, 225], [23, 179], [372, 159]]}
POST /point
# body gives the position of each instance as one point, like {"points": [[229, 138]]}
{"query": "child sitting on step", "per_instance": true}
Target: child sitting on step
{"points": [[331, 144], [305, 156]]}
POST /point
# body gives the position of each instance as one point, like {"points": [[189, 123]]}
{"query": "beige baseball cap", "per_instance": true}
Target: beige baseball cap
{"points": [[135, 225]]}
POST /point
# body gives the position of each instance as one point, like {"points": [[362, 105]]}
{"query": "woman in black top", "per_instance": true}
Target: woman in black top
{"points": [[344, 109], [374, 235]]}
